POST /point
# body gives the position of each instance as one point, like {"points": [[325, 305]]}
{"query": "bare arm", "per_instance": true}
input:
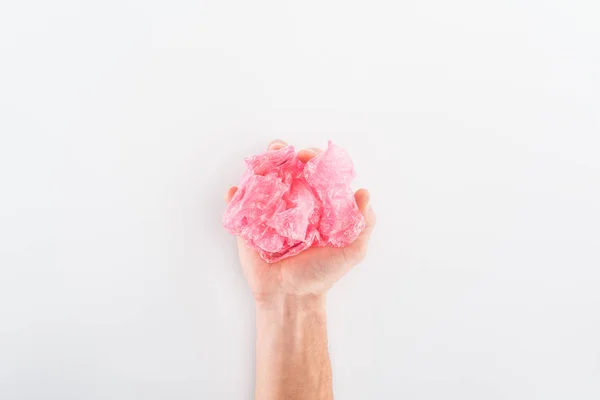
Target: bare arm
{"points": [[292, 360]]}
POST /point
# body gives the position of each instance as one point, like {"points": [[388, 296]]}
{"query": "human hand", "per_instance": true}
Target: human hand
{"points": [[313, 271]]}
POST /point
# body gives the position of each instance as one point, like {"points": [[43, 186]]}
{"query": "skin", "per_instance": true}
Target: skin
{"points": [[292, 358]]}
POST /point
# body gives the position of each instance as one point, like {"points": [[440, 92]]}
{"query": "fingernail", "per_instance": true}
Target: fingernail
{"points": [[277, 142]]}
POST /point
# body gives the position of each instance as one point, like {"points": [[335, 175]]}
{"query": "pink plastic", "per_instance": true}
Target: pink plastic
{"points": [[284, 206]]}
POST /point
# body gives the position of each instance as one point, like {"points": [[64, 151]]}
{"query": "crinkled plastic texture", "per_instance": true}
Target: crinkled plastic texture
{"points": [[284, 206]]}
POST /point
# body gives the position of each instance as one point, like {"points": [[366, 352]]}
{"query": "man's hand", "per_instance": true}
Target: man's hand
{"points": [[313, 271]]}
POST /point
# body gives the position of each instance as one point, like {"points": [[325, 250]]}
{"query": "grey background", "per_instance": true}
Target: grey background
{"points": [[475, 125]]}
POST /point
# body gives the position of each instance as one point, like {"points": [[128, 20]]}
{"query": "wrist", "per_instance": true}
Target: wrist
{"points": [[290, 304]]}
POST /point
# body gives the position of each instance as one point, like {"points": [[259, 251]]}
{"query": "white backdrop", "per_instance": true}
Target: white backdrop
{"points": [[475, 125]]}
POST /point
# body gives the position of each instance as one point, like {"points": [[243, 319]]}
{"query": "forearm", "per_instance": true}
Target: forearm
{"points": [[292, 359]]}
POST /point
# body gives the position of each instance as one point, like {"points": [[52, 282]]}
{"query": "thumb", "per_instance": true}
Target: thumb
{"points": [[363, 201]]}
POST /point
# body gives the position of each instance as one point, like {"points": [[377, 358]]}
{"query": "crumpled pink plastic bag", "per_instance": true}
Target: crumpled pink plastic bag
{"points": [[284, 206]]}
